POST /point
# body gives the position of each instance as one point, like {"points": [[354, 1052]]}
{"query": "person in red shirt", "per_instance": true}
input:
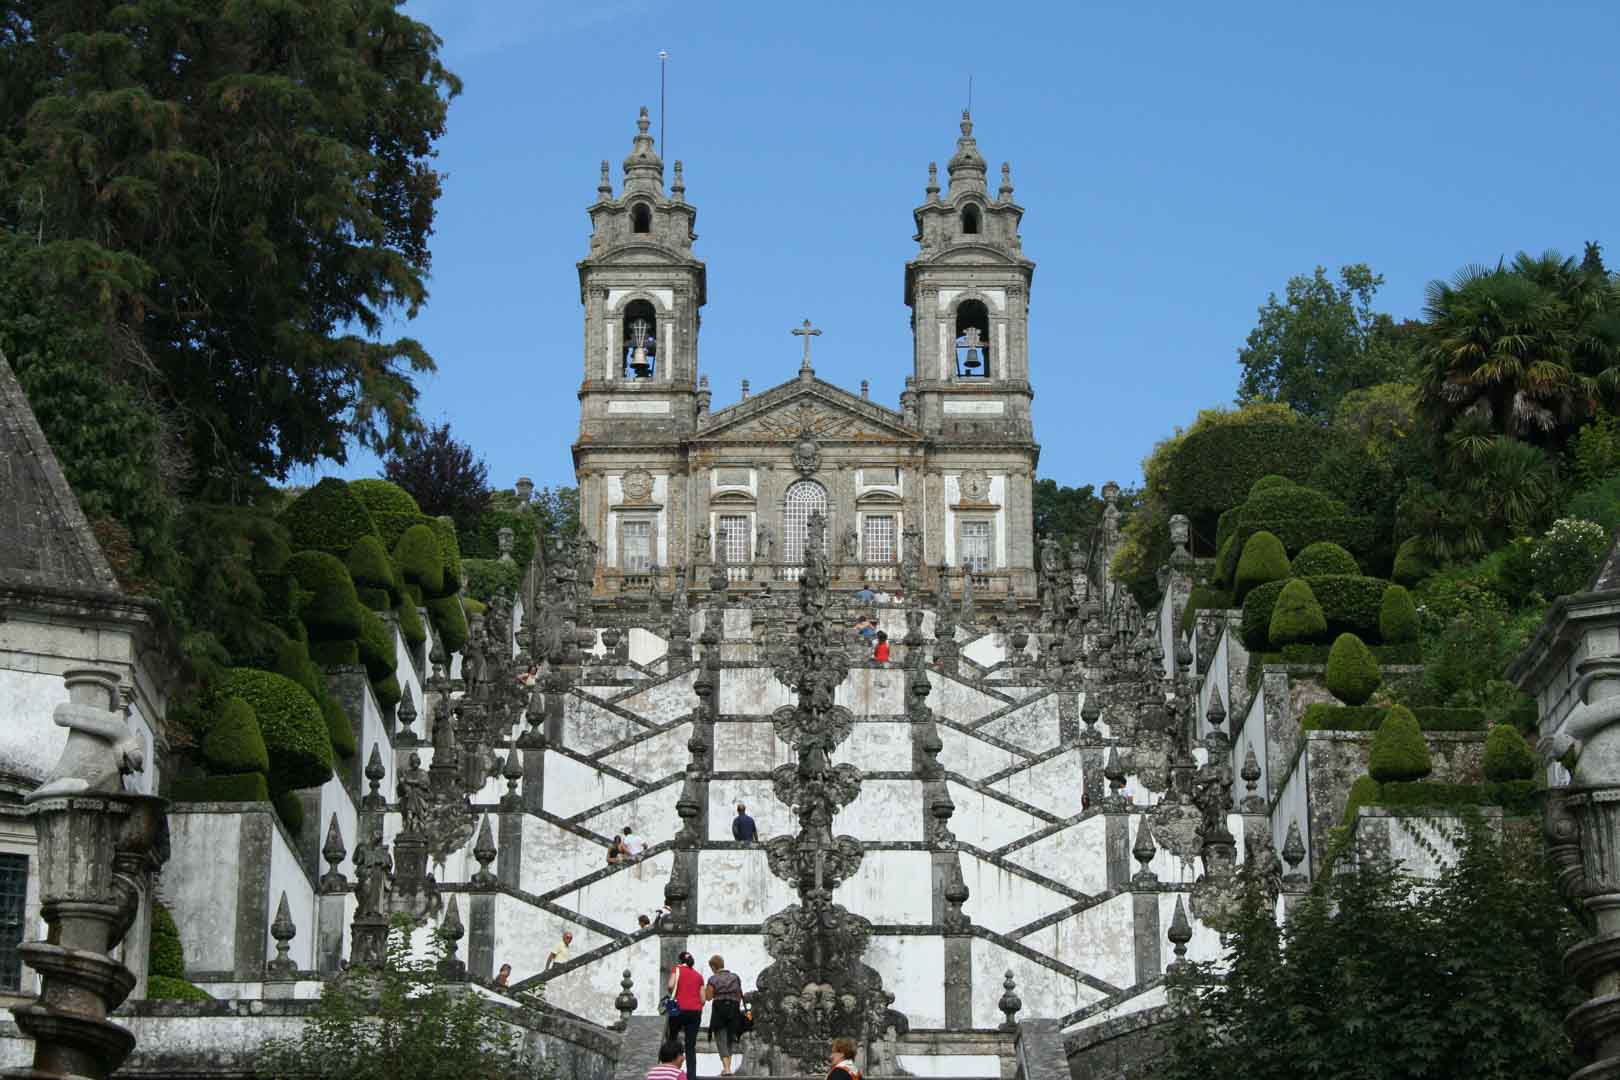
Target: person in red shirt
{"points": [[881, 653], [686, 987]]}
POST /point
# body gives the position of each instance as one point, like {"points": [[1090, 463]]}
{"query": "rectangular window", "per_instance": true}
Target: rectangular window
{"points": [[978, 545], [877, 539], [13, 915], [734, 535], [635, 546]]}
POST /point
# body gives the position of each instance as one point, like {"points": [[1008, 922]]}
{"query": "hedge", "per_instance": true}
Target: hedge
{"points": [[420, 560], [165, 957], [1519, 798], [376, 647], [1399, 751], [1350, 605], [338, 728], [1299, 516], [388, 692], [1397, 616], [290, 810], [372, 570], [487, 577], [291, 722], [242, 787], [1257, 608], [1352, 673], [233, 743], [167, 988], [1364, 791], [1263, 560], [1202, 598], [392, 508], [449, 622], [1214, 469], [410, 623], [328, 517], [484, 541], [1507, 755], [1411, 564], [1297, 616], [1324, 716], [333, 654], [332, 611], [1324, 557], [445, 530]]}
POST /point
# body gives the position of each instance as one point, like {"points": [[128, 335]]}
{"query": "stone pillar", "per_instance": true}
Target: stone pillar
{"points": [[509, 857]]}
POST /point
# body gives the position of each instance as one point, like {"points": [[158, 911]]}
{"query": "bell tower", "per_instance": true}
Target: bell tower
{"points": [[968, 290]]}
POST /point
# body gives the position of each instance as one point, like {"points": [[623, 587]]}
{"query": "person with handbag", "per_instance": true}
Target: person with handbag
{"points": [[725, 989], [684, 1005]]}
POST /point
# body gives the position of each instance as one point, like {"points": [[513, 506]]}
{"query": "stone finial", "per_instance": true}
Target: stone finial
{"points": [[1293, 853], [866, 390], [1005, 192], [1180, 532], [484, 851], [1143, 851], [512, 773], [745, 389], [1010, 1003], [678, 188], [931, 192], [405, 712], [283, 930], [626, 1002], [524, 486], [1090, 713], [604, 186], [1179, 934], [1216, 712], [100, 750], [1252, 802], [334, 853], [1114, 772], [375, 774], [956, 895], [451, 967]]}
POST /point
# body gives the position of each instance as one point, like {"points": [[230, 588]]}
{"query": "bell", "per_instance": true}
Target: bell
{"points": [[972, 361]]}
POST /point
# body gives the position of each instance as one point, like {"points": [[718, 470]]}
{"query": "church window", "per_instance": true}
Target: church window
{"points": [[877, 538], [733, 534], [640, 340], [641, 218], [972, 340], [13, 898], [977, 545], [803, 499], [636, 546], [970, 219]]}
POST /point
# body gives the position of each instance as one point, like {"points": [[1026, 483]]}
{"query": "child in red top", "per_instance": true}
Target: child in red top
{"points": [[881, 653]]}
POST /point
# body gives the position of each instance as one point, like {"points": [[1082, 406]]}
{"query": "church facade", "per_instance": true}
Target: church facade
{"points": [[667, 481]]}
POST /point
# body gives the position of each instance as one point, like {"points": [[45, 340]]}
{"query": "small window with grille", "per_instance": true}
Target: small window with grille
{"points": [[13, 915], [978, 551], [734, 535], [635, 546], [877, 538]]}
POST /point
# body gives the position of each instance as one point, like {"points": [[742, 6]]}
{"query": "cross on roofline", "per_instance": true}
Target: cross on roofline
{"points": [[807, 332]]}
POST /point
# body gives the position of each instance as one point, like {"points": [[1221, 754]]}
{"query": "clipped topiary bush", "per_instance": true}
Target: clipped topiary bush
{"points": [[1397, 616], [445, 529], [1324, 557], [372, 572], [421, 560], [335, 654], [1297, 616], [1507, 755], [1350, 603], [1257, 609], [338, 728], [291, 722], [392, 508], [234, 744], [328, 517], [332, 611], [1399, 751], [1263, 560], [290, 810], [1352, 673], [376, 647], [1270, 482], [165, 988], [388, 692], [292, 660], [1411, 564], [449, 622], [237, 787], [164, 955], [1226, 557], [411, 626], [1363, 792], [1214, 468]]}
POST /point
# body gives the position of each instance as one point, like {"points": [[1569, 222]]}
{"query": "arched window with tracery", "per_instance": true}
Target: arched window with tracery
{"points": [[640, 340], [972, 340], [804, 498]]}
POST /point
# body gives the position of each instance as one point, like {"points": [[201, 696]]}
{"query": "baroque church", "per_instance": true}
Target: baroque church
{"points": [[666, 480]]}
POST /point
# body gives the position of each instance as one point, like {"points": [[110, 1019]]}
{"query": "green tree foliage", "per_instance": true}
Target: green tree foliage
{"points": [[1352, 672], [234, 744], [1564, 560], [404, 1022], [1412, 563], [1324, 557], [1507, 755], [442, 474], [1321, 341], [556, 513], [234, 200], [1297, 617], [1399, 751], [1594, 452], [1067, 514], [1397, 617], [1488, 488], [1599, 503], [1423, 992], [1263, 560], [292, 725]]}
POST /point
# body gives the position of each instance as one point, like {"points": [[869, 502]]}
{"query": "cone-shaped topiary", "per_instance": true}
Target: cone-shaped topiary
{"points": [[373, 573], [449, 621], [1411, 564], [420, 560], [1397, 617], [332, 611], [1263, 560], [234, 743], [327, 518], [1352, 671], [1399, 751], [1324, 557], [392, 508], [290, 721], [338, 728], [1363, 792], [1297, 617], [164, 956], [1507, 755]]}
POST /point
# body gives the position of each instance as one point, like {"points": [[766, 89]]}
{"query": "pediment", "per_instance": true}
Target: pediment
{"points": [[807, 407]]}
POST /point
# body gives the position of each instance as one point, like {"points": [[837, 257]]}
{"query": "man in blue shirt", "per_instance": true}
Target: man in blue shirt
{"points": [[866, 595], [743, 828]]}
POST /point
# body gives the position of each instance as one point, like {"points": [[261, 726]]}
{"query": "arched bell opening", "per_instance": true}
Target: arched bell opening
{"points": [[972, 340], [640, 340], [641, 218], [970, 220]]}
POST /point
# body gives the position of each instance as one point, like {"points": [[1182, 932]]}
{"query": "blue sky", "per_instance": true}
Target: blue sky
{"points": [[1176, 163]]}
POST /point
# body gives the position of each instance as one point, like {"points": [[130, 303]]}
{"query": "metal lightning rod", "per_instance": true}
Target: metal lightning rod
{"points": [[663, 60]]}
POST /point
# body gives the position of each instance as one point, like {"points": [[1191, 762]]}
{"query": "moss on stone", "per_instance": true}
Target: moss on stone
{"points": [[1297, 617], [1507, 755], [1397, 616], [290, 720], [233, 743], [1352, 672], [420, 560], [1324, 557], [328, 517], [1263, 560], [1399, 751]]}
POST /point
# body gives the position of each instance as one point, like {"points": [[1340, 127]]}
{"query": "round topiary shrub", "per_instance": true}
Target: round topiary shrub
{"points": [[445, 529], [164, 956], [392, 508], [332, 611], [338, 728], [449, 621], [290, 721], [1324, 557], [1263, 560], [234, 743], [1352, 671], [1507, 755], [1399, 751], [376, 647], [1411, 564], [421, 560], [1297, 617], [292, 660], [372, 572], [1270, 482], [328, 517], [1397, 617]]}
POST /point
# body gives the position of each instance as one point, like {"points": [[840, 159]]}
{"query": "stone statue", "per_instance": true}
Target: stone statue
{"points": [[852, 545], [762, 543], [372, 867], [413, 790], [701, 544], [472, 659], [100, 750]]}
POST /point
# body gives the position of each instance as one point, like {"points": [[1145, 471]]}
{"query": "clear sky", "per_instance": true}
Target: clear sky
{"points": [[1176, 162]]}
